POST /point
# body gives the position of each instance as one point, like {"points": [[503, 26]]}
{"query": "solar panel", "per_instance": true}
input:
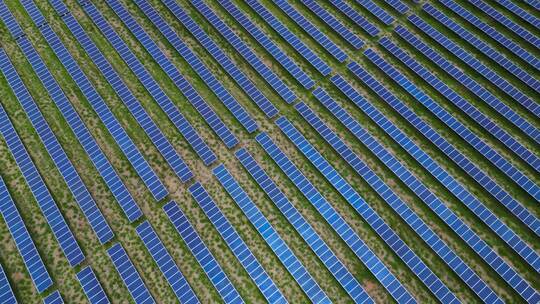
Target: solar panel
{"points": [[419, 268], [166, 264], [493, 33], [486, 182], [263, 226], [46, 203], [475, 64], [378, 12], [334, 23], [506, 22], [225, 61], [53, 298], [521, 179], [131, 278], [27, 249], [74, 182], [205, 258], [295, 218], [192, 59], [237, 245], [412, 219], [6, 293], [533, 3], [148, 81], [518, 11], [259, 66], [92, 149], [475, 242], [121, 137], [398, 5], [312, 30], [352, 14], [91, 286], [268, 44]]}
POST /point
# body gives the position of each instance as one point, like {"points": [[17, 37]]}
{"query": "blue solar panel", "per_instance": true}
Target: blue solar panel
{"points": [[48, 206], [352, 14], [493, 33], [415, 222], [312, 30], [268, 44], [271, 78], [166, 264], [237, 245], [291, 38], [6, 293], [100, 161], [172, 111], [263, 226], [192, 59], [482, 47], [131, 278], [125, 143], [475, 64], [295, 218], [533, 3], [398, 5], [486, 182], [378, 12], [521, 179], [54, 298], [418, 267], [91, 286], [507, 23], [205, 258], [475, 242], [225, 61], [518, 11], [334, 23], [27, 249], [87, 204]]}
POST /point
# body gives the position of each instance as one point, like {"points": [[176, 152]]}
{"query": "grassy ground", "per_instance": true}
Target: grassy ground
{"points": [[64, 276]]}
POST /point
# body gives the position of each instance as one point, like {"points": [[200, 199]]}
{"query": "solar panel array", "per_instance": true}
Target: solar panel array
{"points": [[6, 293], [352, 14], [518, 11], [377, 11], [91, 286], [398, 5], [54, 298], [208, 262], [27, 249]]}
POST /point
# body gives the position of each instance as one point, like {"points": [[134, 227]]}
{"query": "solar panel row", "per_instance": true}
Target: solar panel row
{"points": [[131, 278], [237, 245], [268, 44], [91, 286], [291, 38], [241, 47], [533, 3], [486, 182], [226, 63], [6, 293], [506, 22], [398, 5], [265, 229], [172, 111], [193, 60], [205, 258], [475, 242], [435, 242], [100, 161], [493, 33], [306, 231], [518, 11], [334, 23], [418, 267], [517, 176], [352, 14], [27, 249], [46, 203], [166, 264], [74, 182], [312, 30], [141, 166], [378, 12], [475, 64], [54, 298]]}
